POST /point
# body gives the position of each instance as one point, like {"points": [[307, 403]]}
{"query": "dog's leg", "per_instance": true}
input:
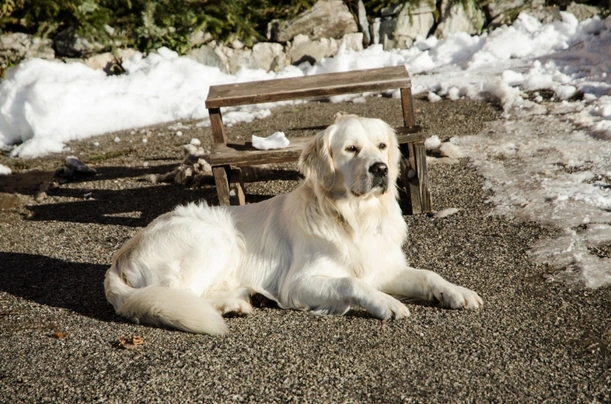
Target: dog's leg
{"points": [[325, 295], [427, 285], [232, 301]]}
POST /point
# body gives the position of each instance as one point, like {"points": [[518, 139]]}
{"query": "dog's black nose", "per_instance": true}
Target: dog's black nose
{"points": [[379, 169]]}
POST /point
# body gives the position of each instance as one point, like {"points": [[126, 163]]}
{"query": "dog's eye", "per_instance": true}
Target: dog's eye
{"points": [[352, 149], [382, 146]]}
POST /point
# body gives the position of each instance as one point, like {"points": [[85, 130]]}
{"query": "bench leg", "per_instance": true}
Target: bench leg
{"points": [[236, 184], [415, 177], [408, 107], [222, 177], [423, 177], [222, 185]]}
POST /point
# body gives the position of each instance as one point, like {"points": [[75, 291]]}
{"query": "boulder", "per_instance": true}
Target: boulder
{"points": [[364, 23], [582, 11], [17, 46], [547, 14], [414, 20], [207, 55], [326, 19], [69, 44], [199, 38], [41, 48], [269, 56], [303, 49], [354, 41], [239, 59], [495, 8], [460, 17]]}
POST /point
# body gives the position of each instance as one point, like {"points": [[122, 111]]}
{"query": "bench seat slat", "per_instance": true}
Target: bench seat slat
{"points": [[322, 85], [245, 154]]}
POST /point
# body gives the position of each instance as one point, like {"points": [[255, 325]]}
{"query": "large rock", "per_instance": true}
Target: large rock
{"points": [[501, 12], [495, 8], [303, 49], [17, 46], [269, 56], [207, 55], [364, 23], [69, 44], [326, 19], [460, 17], [400, 31], [582, 11], [414, 20], [239, 59]]}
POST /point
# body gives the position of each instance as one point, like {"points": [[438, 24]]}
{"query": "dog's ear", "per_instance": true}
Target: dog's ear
{"points": [[316, 160]]}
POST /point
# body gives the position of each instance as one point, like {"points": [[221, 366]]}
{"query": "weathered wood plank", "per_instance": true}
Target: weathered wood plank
{"points": [[412, 185], [245, 154], [222, 185], [408, 108], [322, 85], [423, 178], [239, 197], [216, 124]]}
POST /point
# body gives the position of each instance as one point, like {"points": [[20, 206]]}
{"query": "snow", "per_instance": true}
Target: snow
{"points": [[559, 177]]}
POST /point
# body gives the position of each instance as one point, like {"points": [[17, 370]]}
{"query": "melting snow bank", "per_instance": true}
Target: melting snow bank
{"points": [[542, 169], [45, 104]]}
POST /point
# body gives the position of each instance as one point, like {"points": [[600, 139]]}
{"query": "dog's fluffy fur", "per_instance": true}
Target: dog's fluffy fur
{"points": [[332, 244]]}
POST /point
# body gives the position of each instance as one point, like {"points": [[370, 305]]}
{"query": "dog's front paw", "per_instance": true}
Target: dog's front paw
{"points": [[391, 309], [457, 297]]}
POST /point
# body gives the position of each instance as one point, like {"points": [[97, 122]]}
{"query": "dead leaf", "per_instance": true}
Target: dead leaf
{"points": [[130, 343], [60, 335]]}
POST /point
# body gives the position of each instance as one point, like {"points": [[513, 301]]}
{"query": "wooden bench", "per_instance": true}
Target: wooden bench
{"points": [[223, 155]]}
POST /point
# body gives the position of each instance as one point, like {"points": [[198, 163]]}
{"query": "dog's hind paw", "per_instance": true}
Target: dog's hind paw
{"points": [[233, 307]]}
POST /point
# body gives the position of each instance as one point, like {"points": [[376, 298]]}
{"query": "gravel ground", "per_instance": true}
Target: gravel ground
{"points": [[59, 339]]}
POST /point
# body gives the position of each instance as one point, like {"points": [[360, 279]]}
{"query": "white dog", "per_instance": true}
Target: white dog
{"points": [[332, 244]]}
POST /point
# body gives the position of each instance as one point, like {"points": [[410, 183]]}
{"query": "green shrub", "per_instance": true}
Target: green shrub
{"points": [[146, 24]]}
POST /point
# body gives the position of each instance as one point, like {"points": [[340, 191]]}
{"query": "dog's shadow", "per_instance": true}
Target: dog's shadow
{"points": [[56, 283]]}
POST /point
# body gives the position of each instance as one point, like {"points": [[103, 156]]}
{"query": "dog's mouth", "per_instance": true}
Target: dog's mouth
{"points": [[377, 186]]}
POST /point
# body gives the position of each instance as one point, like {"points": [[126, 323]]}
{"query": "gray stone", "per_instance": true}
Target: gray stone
{"points": [[17, 46], [497, 7], [353, 42], [582, 11], [547, 14], [303, 49], [363, 23], [390, 11], [239, 59], [387, 32], [326, 19], [200, 38], [460, 17], [41, 48], [99, 62], [207, 56], [69, 44], [413, 21], [269, 56]]}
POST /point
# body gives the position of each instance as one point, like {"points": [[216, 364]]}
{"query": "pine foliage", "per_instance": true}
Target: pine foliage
{"points": [[145, 24]]}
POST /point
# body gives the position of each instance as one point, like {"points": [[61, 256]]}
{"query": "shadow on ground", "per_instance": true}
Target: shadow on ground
{"points": [[75, 286]]}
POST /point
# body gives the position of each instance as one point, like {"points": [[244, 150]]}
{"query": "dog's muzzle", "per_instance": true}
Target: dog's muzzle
{"points": [[379, 172]]}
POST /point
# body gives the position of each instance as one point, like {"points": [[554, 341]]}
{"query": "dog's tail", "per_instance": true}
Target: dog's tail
{"points": [[163, 306]]}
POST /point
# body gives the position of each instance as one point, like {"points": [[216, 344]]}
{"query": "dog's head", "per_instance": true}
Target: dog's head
{"points": [[355, 157]]}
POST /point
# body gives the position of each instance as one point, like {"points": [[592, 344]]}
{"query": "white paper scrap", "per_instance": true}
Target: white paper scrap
{"points": [[275, 141]]}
